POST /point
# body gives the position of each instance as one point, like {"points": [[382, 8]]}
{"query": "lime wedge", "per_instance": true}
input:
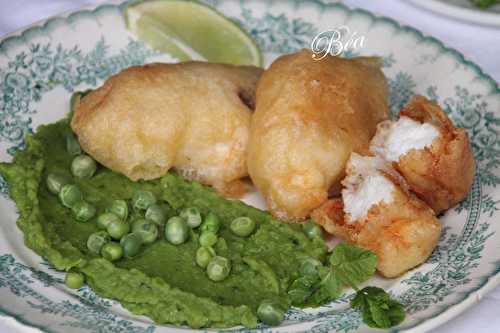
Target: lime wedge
{"points": [[191, 31]]}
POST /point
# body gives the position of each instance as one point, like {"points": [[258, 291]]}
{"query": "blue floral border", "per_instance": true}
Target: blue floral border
{"points": [[494, 88]]}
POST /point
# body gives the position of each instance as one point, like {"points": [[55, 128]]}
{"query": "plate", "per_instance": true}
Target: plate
{"points": [[41, 66], [462, 10]]}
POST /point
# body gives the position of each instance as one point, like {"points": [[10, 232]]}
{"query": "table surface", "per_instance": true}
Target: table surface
{"points": [[481, 44]]}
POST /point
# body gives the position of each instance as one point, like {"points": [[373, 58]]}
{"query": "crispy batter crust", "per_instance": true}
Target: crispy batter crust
{"points": [[402, 234], [193, 116], [310, 115], [442, 174]]}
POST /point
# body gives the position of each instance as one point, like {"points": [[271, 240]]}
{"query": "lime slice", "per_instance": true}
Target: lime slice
{"points": [[191, 31]]}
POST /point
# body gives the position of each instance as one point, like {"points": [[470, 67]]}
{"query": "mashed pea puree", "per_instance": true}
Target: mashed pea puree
{"points": [[163, 282]]}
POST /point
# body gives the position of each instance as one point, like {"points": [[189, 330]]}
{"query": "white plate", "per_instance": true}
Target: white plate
{"points": [[462, 10], [41, 66]]}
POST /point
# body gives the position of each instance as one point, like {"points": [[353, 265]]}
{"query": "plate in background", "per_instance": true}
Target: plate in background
{"points": [[462, 10]]}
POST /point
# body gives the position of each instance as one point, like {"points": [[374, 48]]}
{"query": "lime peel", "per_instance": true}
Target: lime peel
{"points": [[190, 30]]}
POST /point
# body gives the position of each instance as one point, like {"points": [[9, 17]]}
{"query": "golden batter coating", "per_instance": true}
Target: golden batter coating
{"points": [[442, 173], [401, 231], [310, 115], [193, 116]]}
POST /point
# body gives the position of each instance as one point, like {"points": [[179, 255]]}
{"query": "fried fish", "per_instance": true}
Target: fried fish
{"points": [[310, 115], [192, 116], [379, 213], [433, 155]]}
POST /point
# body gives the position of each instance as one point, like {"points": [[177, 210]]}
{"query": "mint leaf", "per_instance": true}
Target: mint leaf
{"points": [[378, 309], [353, 264], [302, 288], [329, 289], [299, 297], [332, 284], [315, 289], [319, 297]]}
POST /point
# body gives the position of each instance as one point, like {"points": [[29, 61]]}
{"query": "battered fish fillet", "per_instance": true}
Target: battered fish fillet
{"points": [[193, 116], [433, 155], [310, 115], [378, 213]]}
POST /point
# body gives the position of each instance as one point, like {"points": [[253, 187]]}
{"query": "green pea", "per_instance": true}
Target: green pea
{"points": [[106, 219], [131, 244], [74, 280], [204, 255], [270, 313], [112, 251], [312, 230], [208, 238], [83, 211], [148, 231], [119, 208], [56, 181], [96, 241], [176, 230], [157, 213], [242, 226], [141, 200], [192, 216], [70, 194], [218, 268], [309, 267], [118, 229], [83, 166], [211, 223], [72, 145]]}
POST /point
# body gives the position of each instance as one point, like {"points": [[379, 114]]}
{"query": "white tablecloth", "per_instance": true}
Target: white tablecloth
{"points": [[479, 44]]}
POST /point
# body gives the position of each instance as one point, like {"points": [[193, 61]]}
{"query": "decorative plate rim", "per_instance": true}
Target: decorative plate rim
{"points": [[453, 309], [477, 16]]}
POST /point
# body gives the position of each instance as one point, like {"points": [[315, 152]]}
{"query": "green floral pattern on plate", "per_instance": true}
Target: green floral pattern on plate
{"points": [[88, 312], [35, 69], [44, 67]]}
